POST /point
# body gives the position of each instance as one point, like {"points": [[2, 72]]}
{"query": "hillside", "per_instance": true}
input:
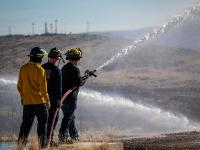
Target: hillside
{"points": [[15, 48]]}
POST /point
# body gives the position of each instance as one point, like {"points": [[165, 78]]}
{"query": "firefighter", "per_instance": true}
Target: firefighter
{"points": [[70, 79], [32, 86], [54, 86]]}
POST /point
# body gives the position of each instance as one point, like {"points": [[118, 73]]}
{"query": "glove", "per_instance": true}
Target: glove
{"points": [[48, 105]]}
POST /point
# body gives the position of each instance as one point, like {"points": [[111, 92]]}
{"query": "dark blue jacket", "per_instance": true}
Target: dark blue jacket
{"points": [[71, 78], [54, 82]]}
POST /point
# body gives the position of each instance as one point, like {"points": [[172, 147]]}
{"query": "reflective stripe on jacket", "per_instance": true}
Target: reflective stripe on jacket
{"points": [[32, 84]]}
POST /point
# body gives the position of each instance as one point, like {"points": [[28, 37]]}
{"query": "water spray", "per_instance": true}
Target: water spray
{"points": [[136, 115], [178, 19], [7, 82]]}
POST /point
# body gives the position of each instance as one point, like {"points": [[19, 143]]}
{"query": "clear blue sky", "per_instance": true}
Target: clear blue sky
{"points": [[72, 15]]}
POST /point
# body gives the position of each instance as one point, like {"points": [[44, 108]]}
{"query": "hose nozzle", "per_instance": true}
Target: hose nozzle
{"points": [[90, 73]]}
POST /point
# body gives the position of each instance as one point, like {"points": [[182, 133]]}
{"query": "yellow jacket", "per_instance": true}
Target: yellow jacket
{"points": [[32, 84]]}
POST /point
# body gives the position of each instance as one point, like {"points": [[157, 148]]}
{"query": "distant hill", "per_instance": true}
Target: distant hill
{"points": [[14, 49], [126, 34]]}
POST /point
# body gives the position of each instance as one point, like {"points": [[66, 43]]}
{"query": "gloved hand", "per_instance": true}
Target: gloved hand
{"points": [[83, 80], [48, 105]]}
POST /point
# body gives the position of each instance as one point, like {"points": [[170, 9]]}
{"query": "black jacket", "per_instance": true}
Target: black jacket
{"points": [[71, 78], [54, 82]]}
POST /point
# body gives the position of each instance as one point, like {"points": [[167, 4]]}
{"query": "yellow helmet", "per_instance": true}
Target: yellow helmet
{"points": [[74, 53]]}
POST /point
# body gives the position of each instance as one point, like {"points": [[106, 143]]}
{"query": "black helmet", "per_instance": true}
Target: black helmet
{"points": [[55, 53], [74, 53], [37, 52]]}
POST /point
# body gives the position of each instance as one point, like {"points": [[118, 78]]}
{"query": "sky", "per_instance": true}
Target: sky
{"points": [[74, 15]]}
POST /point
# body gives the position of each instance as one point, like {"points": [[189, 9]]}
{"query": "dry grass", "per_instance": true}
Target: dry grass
{"points": [[89, 141], [20, 146], [92, 140], [8, 138], [97, 140], [34, 145], [87, 146], [105, 135], [93, 146]]}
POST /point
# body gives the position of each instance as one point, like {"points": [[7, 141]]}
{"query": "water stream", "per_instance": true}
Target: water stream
{"points": [[175, 20], [129, 117]]}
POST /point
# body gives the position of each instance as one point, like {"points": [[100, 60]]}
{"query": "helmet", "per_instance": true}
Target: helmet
{"points": [[37, 52], [55, 53], [74, 53]]}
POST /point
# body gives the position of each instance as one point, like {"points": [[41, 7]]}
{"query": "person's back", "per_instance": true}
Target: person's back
{"points": [[70, 78], [32, 88], [53, 76]]}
